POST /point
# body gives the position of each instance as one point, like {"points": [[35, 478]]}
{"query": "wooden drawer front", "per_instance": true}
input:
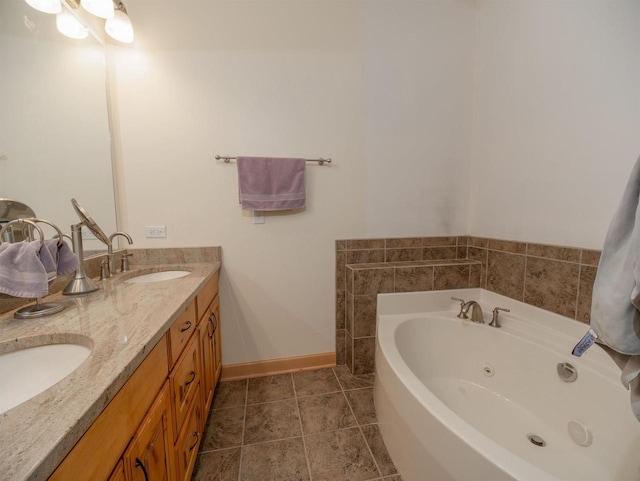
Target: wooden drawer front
{"points": [[185, 379], [207, 294], [180, 332], [189, 440], [98, 451], [150, 455]]}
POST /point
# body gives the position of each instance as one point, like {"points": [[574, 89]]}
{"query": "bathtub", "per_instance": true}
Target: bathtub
{"points": [[462, 401]]}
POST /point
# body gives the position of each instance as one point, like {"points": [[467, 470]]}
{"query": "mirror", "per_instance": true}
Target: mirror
{"points": [[54, 122]]}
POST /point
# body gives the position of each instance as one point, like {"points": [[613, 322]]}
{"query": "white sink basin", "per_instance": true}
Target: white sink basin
{"points": [[158, 276], [27, 372]]}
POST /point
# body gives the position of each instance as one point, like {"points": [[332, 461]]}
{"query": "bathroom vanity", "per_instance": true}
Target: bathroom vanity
{"points": [[136, 407]]}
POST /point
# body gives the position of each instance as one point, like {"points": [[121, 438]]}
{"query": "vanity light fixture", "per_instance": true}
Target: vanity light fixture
{"points": [[99, 8], [46, 6], [69, 26], [119, 26]]}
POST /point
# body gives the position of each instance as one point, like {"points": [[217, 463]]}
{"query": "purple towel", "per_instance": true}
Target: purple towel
{"points": [[64, 260], [22, 273], [267, 184]]}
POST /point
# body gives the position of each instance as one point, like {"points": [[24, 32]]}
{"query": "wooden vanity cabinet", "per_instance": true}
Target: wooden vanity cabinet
{"points": [[152, 429], [150, 453], [209, 331]]}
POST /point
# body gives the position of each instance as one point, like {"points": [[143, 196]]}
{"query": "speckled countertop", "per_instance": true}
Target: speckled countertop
{"points": [[121, 322]]}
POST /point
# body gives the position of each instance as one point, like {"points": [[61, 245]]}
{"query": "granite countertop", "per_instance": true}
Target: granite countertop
{"points": [[121, 322]]}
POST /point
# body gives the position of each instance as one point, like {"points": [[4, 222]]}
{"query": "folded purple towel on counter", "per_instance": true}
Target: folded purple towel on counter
{"points": [[22, 273], [271, 184]]}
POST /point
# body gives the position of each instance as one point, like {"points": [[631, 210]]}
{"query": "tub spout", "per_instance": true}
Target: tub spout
{"points": [[476, 311]]}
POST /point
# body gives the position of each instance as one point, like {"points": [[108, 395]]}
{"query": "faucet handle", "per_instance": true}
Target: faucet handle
{"points": [[495, 322], [461, 314], [124, 262]]}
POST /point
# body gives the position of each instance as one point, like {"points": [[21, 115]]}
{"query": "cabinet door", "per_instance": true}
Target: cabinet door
{"points": [[184, 380], [217, 340], [150, 455], [207, 354], [189, 440]]}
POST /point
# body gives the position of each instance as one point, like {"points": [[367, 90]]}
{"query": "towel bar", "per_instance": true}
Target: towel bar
{"points": [[320, 161]]}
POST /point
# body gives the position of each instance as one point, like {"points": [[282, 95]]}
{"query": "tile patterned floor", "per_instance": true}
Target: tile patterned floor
{"points": [[307, 426]]}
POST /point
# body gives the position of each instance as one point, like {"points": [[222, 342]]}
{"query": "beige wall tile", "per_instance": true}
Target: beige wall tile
{"points": [[508, 246], [590, 257], [412, 279], [451, 277], [364, 316], [349, 313], [505, 274], [585, 292], [436, 253], [340, 309], [554, 252], [439, 241], [372, 281], [403, 255], [365, 244], [398, 242], [552, 285], [341, 348], [341, 262], [365, 256], [364, 355], [478, 242]]}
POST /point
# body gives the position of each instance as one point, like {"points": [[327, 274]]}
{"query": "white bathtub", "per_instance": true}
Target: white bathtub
{"points": [[458, 400]]}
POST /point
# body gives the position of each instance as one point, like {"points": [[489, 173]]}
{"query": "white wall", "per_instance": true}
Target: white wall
{"points": [[516, 120], [310, 79], [556, 118]]}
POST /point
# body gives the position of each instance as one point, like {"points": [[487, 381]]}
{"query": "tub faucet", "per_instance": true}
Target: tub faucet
{"points": [[476, 311], [110, 254]]}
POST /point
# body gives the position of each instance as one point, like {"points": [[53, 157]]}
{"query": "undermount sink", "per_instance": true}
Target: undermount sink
{"points": [[26, 373], [158, 276]]}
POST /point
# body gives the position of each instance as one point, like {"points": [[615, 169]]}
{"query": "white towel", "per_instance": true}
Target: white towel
{"points": [[615, 308]]}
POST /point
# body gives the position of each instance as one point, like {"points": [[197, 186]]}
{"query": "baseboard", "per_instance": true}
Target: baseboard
{"points": [[283, 365]]}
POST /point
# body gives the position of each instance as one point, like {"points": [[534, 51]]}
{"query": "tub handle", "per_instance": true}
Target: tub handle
{"points": [[461, 314]]}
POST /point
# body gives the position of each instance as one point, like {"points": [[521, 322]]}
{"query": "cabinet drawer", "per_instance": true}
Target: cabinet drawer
{"points": [[108, 436], [186, 447], [184, 380], [180, 332], [207, 294]]}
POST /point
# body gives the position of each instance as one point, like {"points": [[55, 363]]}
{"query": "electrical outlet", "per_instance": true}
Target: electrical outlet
{"points": [[157, 231], [258, 217]]}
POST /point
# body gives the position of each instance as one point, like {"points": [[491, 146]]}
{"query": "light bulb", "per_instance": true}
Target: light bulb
{"points": [[46, 6], [70, 26], [99, 8], [119, 27]]}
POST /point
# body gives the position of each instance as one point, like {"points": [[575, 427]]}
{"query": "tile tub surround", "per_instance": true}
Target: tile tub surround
{"points": [[311, 425], [124, 322], [556, 278]]}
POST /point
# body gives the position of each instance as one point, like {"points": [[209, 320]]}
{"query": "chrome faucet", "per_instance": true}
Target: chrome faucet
{"points": [[476, 310], [110, 254], [495, 322]]}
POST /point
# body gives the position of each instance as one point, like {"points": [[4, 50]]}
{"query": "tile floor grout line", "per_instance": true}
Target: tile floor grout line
{"points": [[244, 423], [304, 443], [375, 461]]}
